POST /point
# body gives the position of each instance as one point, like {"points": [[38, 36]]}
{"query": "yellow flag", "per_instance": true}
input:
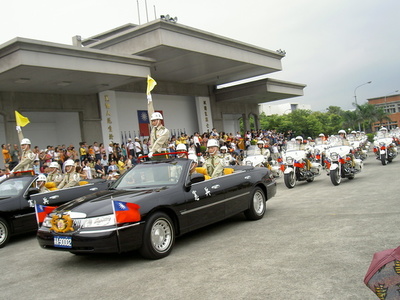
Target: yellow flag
{"points": [[151, 83], [21, 120]]}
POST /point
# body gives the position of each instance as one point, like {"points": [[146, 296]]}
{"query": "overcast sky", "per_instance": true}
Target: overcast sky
{"points": [[332, 46]]}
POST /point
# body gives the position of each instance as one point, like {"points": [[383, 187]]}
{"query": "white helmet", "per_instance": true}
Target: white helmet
{"points": [[54, 164], [42, 177], [25, 141], [224, 148], [342, 131], [260, 142], [181, 147], [156, 116], [212, 143], [69, 162], [299, 138], [321, 134], [383, 129]]}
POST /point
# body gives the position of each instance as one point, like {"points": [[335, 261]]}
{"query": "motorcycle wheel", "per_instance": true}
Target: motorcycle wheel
{"points": [[383, 159], [290, 180], [335, 176]]}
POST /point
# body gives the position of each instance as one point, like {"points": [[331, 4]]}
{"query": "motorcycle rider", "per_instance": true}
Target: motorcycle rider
{"points": [[260, 150], [299, 141], [342, 134]]}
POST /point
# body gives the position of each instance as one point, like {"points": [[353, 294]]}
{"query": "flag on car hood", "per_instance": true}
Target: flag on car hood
{"points": [[42, 211], [126, 212]]}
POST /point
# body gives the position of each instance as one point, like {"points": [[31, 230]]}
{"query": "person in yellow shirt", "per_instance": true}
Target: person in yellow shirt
{"points": [[6, 153], [121, 165]]}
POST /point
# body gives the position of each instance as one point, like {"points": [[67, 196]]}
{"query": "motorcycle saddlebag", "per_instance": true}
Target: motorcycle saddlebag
{"points": [[383, 275]]}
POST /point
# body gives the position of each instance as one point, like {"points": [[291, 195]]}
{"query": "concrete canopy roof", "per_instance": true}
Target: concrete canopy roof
{"points": [[188, 55], [260, 91], [43, 67]]}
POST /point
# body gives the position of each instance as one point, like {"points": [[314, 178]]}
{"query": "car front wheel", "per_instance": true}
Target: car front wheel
{"points": [[257, 205], [4, 232], [159, 236]]}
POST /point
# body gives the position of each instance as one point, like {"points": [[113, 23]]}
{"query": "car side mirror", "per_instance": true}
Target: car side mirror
{"points": [[196, 177], [32, 191]]}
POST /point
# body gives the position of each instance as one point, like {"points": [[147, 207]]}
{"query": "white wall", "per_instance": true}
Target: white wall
{"points": [[53, 128], [179, 111]]}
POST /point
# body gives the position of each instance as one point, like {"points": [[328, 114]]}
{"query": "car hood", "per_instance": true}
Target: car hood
{"points": [[101, 203]]}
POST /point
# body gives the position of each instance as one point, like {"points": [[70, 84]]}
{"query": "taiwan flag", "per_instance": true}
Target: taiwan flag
{"points": [[126, 212], [42, 211], [144, 123]]}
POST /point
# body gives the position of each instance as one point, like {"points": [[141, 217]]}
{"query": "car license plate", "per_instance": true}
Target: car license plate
{"points": [[63, 241]]}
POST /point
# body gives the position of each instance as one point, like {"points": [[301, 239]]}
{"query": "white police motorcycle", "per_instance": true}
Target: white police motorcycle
{"points": [[340, 160], [384, 147], [298, 164]]}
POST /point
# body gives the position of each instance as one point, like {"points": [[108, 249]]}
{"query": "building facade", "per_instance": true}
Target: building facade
{"points": [[95, 89], [391, 105]]}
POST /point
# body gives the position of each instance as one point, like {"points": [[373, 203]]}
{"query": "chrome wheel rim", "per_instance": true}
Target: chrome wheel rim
{"points": [[161, 235], [3, 233], [258, 203]]}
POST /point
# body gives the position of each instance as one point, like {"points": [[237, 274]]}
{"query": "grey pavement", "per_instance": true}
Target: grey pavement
{"points": [[316, 241]]}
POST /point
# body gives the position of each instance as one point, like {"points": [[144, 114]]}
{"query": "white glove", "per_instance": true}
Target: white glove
{"points": [[150, 155], [18, 128], [149, 99]]}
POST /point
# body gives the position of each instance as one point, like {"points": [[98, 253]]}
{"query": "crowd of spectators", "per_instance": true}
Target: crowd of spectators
{"points": [[96, 160]]}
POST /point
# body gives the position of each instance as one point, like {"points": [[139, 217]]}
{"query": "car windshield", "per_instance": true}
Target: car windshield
{"points": [[13, 187], [150, 175]]}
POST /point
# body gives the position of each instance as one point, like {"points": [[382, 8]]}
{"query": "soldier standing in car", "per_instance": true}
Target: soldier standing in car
{"points": [[214, 164], [159, 137], [27, 157]]}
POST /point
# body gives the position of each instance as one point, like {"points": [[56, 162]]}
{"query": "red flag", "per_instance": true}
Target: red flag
{"points": [[42, 211], [126, 212]]}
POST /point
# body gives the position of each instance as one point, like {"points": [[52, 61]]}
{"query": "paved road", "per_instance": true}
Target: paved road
{"points": [[316, 241]]}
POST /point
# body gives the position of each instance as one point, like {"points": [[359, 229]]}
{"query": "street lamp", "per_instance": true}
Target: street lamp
{"points": [[384, 108], [355, 96], [355, 99]]}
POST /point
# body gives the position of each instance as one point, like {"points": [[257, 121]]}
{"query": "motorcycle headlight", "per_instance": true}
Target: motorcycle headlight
{"points": [[289, 160], [334, 156], [101, 221]]}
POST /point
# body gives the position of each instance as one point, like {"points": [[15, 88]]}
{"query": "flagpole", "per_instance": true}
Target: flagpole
{"points": [[115, 217]]}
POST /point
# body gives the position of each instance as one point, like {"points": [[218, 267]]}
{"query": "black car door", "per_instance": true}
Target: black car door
{"points": [[205, 204]]}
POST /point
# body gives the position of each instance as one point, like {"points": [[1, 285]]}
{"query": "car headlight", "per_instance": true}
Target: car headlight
{"points": [[46, 222], [101, 221], [334, 156]]}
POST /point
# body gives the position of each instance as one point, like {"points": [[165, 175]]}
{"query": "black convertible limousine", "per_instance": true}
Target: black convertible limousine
{"points": [[152, 204]]}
